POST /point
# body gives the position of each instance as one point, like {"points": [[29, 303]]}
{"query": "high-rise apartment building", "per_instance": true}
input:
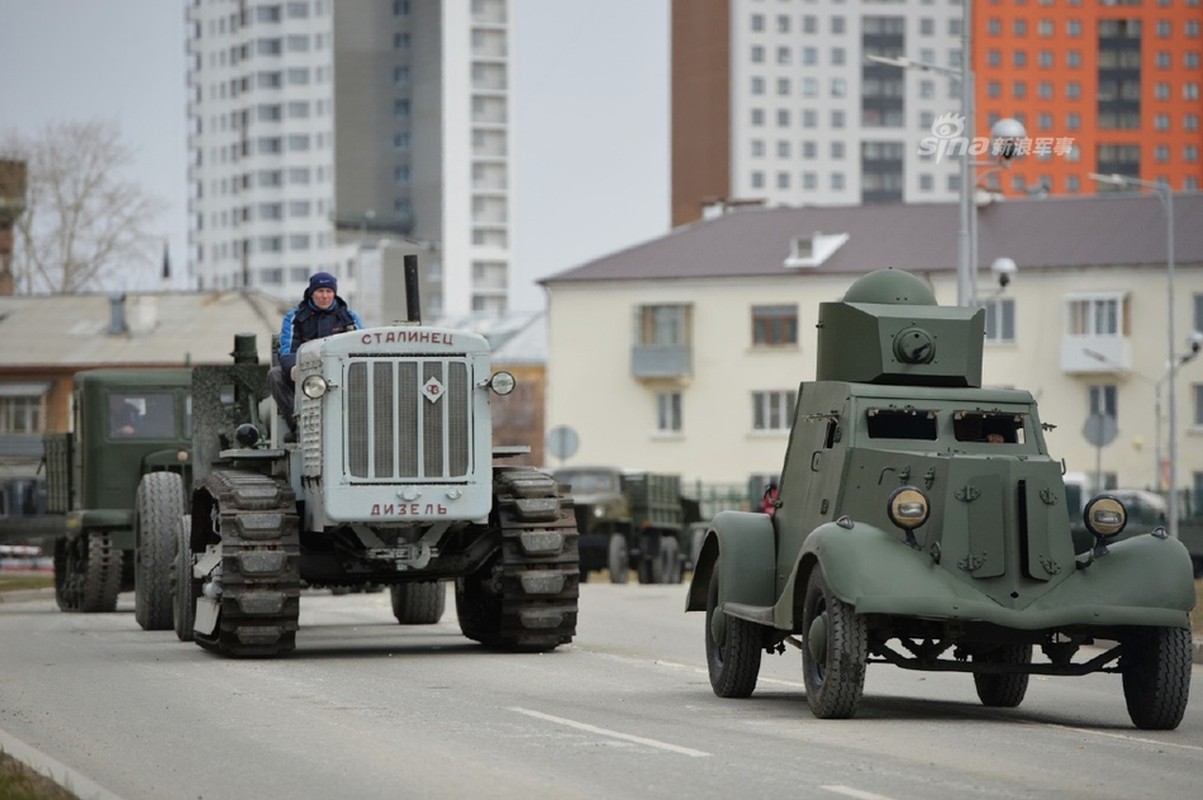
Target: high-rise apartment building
{"points": [[1119, 77], [320, 130], [778, 100]]}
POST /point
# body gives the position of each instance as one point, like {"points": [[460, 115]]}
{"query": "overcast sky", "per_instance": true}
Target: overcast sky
{"points": [[590, 112]]}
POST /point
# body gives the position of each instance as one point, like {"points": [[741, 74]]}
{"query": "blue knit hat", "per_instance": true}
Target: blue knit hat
{"points": [[323, 280]]}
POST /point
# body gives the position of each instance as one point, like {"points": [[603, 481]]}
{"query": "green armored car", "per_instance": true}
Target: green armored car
{"points": [[921, 522]]}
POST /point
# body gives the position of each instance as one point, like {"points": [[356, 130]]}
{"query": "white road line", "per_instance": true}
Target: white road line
{"points": [[859, 794], [57, 771], [627, 737], [1123, 737]]}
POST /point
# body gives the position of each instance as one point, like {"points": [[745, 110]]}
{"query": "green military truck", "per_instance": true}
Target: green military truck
{"points": [[631, 520], [921, 522], [127, 424]]}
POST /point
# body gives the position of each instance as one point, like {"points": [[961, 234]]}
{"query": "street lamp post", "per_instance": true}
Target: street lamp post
{"points": [[1166, 196]]}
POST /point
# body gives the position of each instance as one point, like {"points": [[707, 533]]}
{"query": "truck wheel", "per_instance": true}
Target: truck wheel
{"points": [[158, 506], [733, 650], [670, 561], [1003, 690], [183, 585], [87, 572], [618, 559], [420, 603], [835, 650], [1156, 667]]}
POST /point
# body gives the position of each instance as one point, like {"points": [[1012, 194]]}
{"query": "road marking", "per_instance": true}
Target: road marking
{"points": [[859, 794], [627, 737], [1124, 737]]}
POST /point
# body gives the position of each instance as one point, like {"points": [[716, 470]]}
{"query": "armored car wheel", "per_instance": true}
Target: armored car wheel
{"points": [[733, 647], [1156, 667], [158, 506], [835, 651], [183, 586], [87, 572], [998, 689], [420, 603], [619, 559]]}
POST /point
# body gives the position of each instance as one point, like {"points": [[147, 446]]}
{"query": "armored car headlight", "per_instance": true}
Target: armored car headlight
{"points": [[1105, 516], [314, 386], [908, 507]]}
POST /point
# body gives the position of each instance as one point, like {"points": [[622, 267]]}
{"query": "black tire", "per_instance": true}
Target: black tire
{"points": [[1003, 690], [420, 603], [618, 558], [87, 572], [158, 507], [834, 654], [670, 560], [183, 585], [733, 662], [1156, 667]]}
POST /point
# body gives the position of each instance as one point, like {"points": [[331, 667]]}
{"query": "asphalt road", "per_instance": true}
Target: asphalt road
{"points": [[368, 709]]}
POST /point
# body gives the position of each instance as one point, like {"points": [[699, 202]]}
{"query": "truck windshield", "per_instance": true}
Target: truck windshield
{"points": [[901, 423], [143, 415]]}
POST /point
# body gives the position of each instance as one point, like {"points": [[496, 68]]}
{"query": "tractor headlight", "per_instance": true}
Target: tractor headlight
{"points": [[599, 511], [314, 386], [502, 382], [908, 507], [1105, 516]]}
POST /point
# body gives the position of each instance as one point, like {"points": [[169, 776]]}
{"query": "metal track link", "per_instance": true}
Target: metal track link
{"points": [[255, 517], [536, 580]]}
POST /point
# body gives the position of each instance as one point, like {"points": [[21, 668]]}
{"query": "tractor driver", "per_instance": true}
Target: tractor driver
{"points": [[320, 313]]}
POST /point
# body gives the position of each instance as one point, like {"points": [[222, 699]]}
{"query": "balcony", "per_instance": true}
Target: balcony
{"points": [[1081, 355], [661, 361]]}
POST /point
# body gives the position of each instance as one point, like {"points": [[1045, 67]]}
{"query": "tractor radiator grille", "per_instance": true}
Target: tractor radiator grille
{"points": [[408, 419]]}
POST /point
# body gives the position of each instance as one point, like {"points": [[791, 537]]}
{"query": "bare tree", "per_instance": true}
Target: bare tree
{"points": [[84, 226]]}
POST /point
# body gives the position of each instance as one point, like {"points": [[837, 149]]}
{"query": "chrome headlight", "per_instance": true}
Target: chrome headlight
{"points": [[908, 507], [502, 382], [1105, 516], [314, 386]]}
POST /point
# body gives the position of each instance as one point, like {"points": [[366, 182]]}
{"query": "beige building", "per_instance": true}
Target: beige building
{"points": [[684, 354]]}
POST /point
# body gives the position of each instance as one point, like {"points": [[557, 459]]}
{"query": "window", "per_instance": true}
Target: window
{"points": [[1000, 320], [662, 325], [774, 325], [22, 410], [1098, 316], [773, 411], [668, 412], [1103, 400], [142, 416]]}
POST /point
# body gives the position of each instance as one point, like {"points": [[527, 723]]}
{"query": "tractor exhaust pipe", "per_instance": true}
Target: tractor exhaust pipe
{"points": [[412, 300]]}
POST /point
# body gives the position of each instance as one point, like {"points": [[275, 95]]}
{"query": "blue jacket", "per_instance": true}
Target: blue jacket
{"points": [[307, 322]]}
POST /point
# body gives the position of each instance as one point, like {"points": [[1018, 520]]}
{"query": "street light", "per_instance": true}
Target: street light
{"points": [[1166, 196], [1006, 129]]}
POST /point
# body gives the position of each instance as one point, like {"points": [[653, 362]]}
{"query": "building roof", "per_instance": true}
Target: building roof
{"points": [[160, 328], [1100, 230], [515, 337]]}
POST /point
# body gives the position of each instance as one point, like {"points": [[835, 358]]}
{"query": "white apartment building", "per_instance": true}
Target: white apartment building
{"points": [[684, 354], [320, 129], [810, 120]]}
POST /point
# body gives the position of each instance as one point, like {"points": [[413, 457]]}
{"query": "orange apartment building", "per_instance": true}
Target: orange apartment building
{"points": [[1120, 77]]}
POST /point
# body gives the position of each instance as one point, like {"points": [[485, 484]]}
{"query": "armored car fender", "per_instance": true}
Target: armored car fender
{"points": [[743, 546], [1139, 582]]}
